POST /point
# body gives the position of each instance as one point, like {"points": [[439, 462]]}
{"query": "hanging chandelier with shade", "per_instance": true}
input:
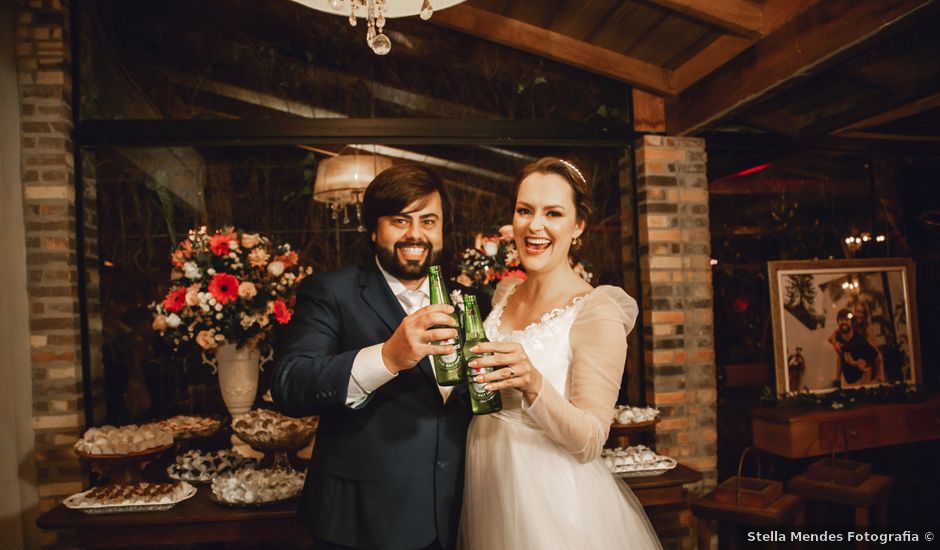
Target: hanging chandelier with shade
{"points": [[341, 181], [375, 12]]}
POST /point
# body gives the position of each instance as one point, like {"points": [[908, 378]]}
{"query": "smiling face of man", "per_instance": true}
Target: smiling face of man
{"points": [[409, 242]]}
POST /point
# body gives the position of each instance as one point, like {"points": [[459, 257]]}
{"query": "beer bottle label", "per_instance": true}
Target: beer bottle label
{"points": [[480, 393], [451, 360]]}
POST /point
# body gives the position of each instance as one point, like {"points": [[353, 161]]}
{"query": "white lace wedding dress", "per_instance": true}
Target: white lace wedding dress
{"points": [[534, 479]]}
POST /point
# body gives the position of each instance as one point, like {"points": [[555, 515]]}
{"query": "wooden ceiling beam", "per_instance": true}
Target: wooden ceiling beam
{"points": [[902, 111], [817, 37], [726, 48], [740, 17], [558, 47]]}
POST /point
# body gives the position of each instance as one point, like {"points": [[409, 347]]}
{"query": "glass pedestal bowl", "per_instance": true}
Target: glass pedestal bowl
{"points": [[276, 439]]}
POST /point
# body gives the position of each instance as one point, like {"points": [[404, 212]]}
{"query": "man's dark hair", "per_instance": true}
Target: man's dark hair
{"points": [[395, 188]]}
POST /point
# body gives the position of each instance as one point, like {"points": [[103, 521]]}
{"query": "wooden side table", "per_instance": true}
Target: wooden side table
{"points": [[870, 494], [788, 510]]}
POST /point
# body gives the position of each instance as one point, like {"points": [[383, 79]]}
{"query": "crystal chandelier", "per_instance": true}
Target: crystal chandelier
{"points": [[375, 13]]}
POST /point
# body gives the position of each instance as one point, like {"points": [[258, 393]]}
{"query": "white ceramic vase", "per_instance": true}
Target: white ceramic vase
{"points": [[238, 375]]}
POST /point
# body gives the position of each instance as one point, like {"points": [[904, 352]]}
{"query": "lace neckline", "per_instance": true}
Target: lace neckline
{"points": [[544, 319]]}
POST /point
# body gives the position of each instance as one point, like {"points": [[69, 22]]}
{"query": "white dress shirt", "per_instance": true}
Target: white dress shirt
{"points": [[368, 370]]}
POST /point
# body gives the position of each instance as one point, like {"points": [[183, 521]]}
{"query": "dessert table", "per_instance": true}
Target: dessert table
{"points": [[200, 520], [193, 521]]}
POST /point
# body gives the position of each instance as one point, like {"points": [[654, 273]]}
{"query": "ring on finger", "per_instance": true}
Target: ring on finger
{"points": [[512, 372]]}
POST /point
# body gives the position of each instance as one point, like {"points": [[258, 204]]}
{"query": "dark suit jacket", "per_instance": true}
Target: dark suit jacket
{"points": [[389, 474]]}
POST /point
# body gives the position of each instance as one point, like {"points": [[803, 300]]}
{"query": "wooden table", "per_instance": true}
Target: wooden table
{"points": [[199, 520], [193, 521], [664, 489], [800, 433]]}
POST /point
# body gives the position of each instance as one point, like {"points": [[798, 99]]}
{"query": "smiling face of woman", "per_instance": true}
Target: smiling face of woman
{"points": [[545, 221]]}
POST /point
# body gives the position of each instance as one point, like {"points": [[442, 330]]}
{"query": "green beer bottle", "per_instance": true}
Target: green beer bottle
{"points": [[482, 401], [449, 370]]}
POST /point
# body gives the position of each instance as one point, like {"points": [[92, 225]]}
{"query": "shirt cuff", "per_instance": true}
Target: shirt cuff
{"points": [[368, 374]]}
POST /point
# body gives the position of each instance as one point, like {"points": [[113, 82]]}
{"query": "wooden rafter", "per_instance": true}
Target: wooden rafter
{"points": [[551, 45], [821, 35], [906, 110], [726, 48], [741, 17]]}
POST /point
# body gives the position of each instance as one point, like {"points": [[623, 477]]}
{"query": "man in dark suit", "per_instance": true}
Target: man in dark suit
{"points": [[387, 469]]}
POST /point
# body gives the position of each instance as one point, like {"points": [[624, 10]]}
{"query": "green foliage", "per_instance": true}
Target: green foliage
{"points": [[846, 398]]}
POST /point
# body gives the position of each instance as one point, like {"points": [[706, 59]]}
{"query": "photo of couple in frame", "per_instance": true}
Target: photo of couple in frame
{"points": [[848, 323]]}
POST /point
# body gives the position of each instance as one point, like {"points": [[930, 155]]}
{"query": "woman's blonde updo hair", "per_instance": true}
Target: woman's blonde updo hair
{"points": [[584, 205]]}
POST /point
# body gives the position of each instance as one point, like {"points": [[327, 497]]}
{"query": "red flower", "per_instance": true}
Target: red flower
{"points": [[223, 287], [289, 259], [219, 244], [517, 273], [281, 312], [175, 300]]}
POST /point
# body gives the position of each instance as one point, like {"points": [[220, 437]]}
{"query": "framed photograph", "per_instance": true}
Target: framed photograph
{"points": [[851, 321]]}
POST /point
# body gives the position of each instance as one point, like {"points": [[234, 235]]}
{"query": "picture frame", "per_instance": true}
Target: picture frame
{"points": [[854, 321]]}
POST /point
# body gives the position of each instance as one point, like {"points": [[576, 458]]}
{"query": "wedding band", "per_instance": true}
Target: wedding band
{"points": [[512, 372]]}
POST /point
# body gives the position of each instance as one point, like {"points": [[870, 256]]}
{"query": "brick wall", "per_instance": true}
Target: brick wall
{"points": [[679, 357], [45, 85]]}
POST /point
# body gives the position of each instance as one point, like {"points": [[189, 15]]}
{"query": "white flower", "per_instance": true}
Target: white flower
{"points": [[173, 320], [218, 307], [490, 248], [233, 245], [276, 268], [210, 271], [191, 270], [456, 297]]}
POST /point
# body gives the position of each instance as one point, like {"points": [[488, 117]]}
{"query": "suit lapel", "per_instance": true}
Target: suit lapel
{"points": [[378, 296]]}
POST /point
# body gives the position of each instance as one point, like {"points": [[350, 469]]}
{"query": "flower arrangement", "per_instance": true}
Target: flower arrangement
{"points": [[229, 287], [494, 258]]}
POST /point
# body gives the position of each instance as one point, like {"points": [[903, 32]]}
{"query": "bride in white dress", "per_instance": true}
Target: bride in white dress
{"points": [[534, 478]]}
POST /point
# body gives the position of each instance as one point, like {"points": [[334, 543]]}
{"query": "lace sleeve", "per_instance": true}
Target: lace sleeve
{"points": [[580, 424], [503, 289]]}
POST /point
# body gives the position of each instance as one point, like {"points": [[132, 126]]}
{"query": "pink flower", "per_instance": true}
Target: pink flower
{"points": [[159, 323], [175, 300], [506, 232], [250, 240], [224, 288], [206, 339], [258, 258], [192, 296], [247, 290]]}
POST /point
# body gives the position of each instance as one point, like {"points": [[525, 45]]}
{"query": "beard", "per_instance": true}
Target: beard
{"points": [[407, 270]]}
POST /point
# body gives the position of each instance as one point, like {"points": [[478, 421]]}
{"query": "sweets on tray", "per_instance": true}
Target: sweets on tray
{"points": [[268, 428], [111, 440], [134, 494], [249, 486], [635, 459], [188, 424], [634, 415], [196, 465]]}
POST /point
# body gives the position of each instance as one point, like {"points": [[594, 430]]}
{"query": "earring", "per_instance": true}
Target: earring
{"points": [[576, 242]]}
